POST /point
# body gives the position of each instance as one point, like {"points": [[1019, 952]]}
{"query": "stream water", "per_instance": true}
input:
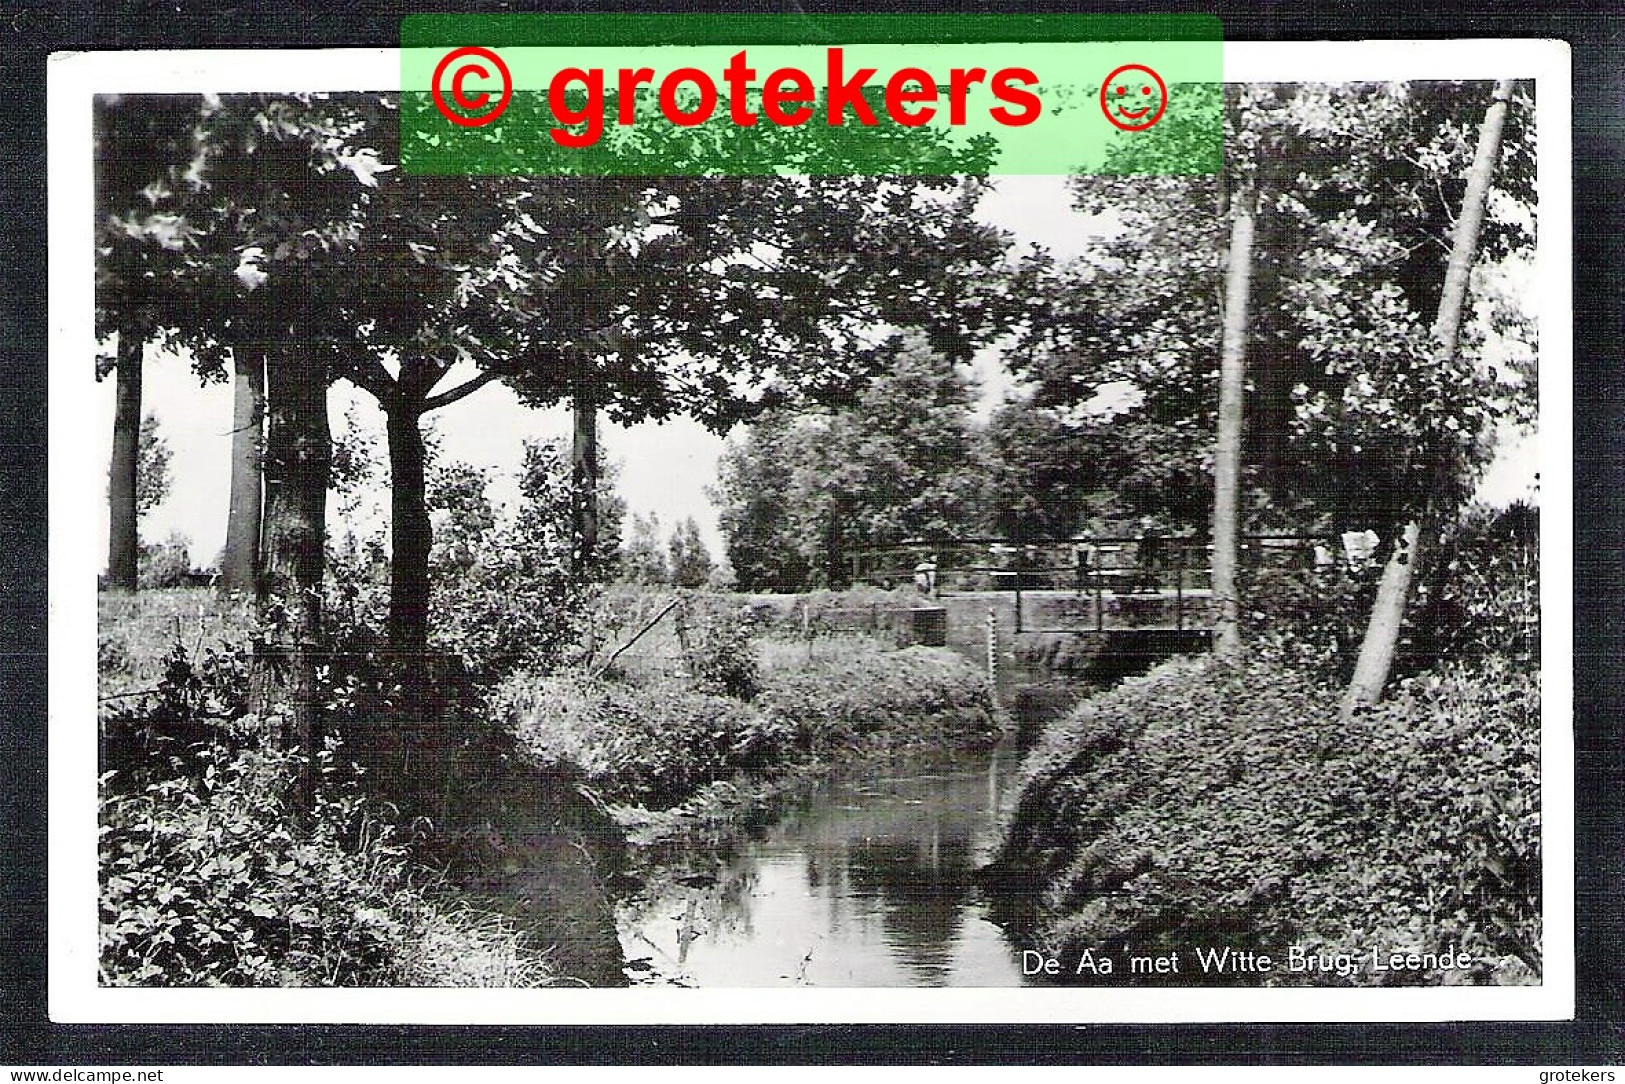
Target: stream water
{"points": [[866, 880]]}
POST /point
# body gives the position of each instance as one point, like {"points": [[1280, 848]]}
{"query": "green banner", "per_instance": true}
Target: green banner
{"points": [[652, 95]]}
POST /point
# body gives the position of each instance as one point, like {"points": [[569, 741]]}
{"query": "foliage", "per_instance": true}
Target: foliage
{"points": [[643, 561], [206, 881], [1046, 479], [355, 466], [895, 460], [209, 879], [136, 633], [152, 477], [506, 597], [855, 691], [715, 639], [208, 875], [754, 477], [165, 564], [1348, 418], [652, 744], [462, 516], [511, 609], [1208, 806], [690, 560], [1479, 597]]}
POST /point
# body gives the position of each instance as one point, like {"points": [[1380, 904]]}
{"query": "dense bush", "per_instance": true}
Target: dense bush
{"points": [[164, 564], [1482, 595], [1211, 806], [515, 607], [1478, 596], [717, 648], [854, 690], [653, 743]]}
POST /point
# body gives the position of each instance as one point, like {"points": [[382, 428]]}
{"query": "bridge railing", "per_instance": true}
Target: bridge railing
{"points": [[1117, 565]]}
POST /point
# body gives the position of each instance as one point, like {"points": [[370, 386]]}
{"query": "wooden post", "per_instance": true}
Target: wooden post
{"points": [[992, 648], [1018, 603], [1179, 589], [1100, 596]]}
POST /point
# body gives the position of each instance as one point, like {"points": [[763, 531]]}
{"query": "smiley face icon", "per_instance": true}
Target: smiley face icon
{"points": [[1133, 97]]}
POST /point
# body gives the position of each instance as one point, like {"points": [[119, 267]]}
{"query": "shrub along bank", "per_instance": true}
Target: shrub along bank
{"points": [[211, 872], [1205, 806], [656, 742], [210, 879]]}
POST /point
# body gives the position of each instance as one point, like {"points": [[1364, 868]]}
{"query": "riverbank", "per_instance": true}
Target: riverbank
{"points": [[666, 753], [209, 875], [1205, 807]]}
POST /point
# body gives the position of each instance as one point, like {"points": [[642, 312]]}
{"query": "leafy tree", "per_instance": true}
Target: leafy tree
{"points": [[1450, 453], [690, 559], [1352, 189], [152, 479], [240, 560], [462, 515], [144, 242], [897, 460], [643, 561]]}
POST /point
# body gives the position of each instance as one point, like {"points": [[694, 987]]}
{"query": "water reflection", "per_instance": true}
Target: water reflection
{"points": [[866, 882]]}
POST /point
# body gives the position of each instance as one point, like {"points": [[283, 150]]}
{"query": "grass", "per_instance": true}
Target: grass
{"points": [[460, 946], [135, 631]]}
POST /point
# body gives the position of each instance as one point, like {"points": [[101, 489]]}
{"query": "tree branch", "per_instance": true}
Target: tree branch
{"points": [[369, 374], [463, 390]]}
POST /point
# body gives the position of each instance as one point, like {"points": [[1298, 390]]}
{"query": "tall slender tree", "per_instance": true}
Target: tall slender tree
{"points": [[144, 243], [1394, 588], [1227, 446]]}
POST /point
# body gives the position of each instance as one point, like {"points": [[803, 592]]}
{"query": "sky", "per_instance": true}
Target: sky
{"points": [[664, 468]]}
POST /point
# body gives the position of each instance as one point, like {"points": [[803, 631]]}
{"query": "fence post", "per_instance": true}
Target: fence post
{"points": [[1179, 589], [1100, 597], [992, 648]]}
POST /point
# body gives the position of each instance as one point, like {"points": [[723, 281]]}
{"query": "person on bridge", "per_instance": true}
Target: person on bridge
{"points": [[1085, 560], [1148, 565], [925, 576]]}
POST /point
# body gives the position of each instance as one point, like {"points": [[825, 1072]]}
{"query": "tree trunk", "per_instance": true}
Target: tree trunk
{"points": [[298, 451], [584, 480], [1227, 449], [410, 535], [1393, 590], [240, 563], [122, 542]]}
